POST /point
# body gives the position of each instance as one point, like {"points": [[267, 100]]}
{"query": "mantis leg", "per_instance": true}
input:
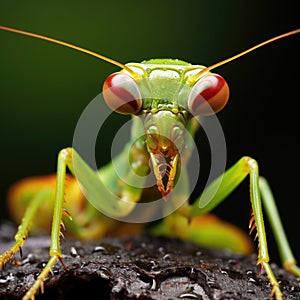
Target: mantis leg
{"points": [[55, 252], [24, 227], [217, 191], [95, 191], [287, 257], [227, 183]]}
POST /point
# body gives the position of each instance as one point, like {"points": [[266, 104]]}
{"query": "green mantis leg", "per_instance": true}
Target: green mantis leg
{"points": [[24, 227], [215, 193], [55, 252], [96, 192], [287, 257], [227, 183]]}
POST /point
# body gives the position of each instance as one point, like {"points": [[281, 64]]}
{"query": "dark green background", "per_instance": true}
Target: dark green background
{"points": [[44, 87]]}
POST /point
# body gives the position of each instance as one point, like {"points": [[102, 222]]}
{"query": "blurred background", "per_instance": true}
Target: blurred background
{"points": [[45, 87]]}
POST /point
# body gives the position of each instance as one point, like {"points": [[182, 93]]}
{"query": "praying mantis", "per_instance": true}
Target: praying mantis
{"points": [[148, 178]]}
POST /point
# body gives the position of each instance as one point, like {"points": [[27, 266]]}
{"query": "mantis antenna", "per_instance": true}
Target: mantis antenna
{"points": [[42, 37], [191, 80], [194, 78]]}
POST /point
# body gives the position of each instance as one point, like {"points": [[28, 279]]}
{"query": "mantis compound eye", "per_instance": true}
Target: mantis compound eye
{"points": [[208, 96], [122, 94]]}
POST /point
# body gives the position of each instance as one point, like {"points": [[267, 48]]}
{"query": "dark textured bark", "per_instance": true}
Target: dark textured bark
{"points": [[141, 267]]}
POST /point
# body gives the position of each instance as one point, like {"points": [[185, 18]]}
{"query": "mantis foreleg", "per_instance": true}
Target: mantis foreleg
{"points": [[95, 190]]}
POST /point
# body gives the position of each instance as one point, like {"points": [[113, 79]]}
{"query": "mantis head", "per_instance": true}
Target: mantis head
{"points": [[165, 99]]}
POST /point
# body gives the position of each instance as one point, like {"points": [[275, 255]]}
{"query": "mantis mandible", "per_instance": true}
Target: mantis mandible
{"points": [[166, 98]]}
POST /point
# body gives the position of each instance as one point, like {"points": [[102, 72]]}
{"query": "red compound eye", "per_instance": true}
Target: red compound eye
{"points": [[122, 94], [208, 96]]}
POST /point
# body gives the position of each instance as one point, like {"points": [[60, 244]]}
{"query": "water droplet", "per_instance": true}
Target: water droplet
{"points": [[252, 280], [106, 249], [154, 285], [4, 280], [166, 257], [31, 259], [190, 294], [74, 252], [104, 273], [153, 264], [42, 264], [98, 249]]}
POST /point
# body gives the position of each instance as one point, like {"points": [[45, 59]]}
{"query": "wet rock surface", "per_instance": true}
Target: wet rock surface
{"points": [[140, 267]]}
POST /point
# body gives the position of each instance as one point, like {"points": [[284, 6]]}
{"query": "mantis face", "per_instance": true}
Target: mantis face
{"points": [[166, 98]]}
